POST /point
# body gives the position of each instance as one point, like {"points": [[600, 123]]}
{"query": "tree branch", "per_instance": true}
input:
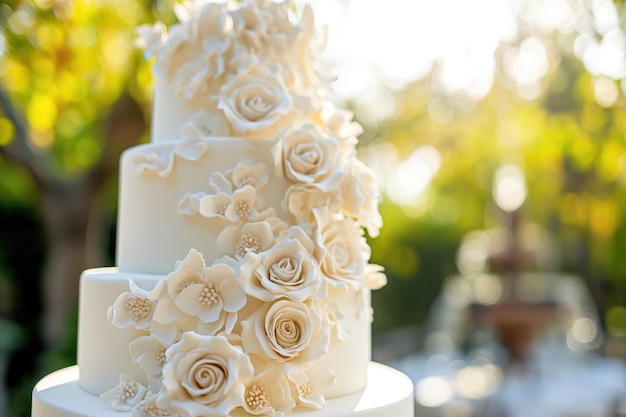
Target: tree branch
{"points": [[19, 149]]}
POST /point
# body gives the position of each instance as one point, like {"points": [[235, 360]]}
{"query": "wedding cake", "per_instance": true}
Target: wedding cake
{"points": [[243, 280]]}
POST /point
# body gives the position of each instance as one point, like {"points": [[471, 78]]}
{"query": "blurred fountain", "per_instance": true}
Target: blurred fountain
{"points": [[509, 338]]}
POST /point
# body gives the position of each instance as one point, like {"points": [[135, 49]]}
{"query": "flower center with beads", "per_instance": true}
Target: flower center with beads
{"points": [[222, 210], [126, 390], [305, 390], [186, 284], [257, 398], [147, 410], [248, 180], [243, 209], [248, 243], [138, 308], [209, 295], [160, 357]]}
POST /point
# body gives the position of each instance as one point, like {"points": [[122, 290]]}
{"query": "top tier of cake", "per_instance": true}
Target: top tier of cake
{"points": [[241, 72]]}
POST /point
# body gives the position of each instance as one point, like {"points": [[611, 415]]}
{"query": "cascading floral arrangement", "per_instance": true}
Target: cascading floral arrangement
{"points": [[243, 333]]}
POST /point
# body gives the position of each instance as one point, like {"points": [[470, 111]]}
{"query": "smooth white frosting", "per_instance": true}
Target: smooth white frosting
{"points": [[103, 349]]}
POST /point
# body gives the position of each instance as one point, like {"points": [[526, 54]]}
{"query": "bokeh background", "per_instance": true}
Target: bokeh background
{"points": [[494, 127]]}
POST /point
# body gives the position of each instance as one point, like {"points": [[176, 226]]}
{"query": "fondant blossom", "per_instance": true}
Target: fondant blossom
{"points": [[204, 124], [213, 205], [151, 38], [301, 199], [160, 163], [209, 36], [134, 308], [149, 353], [197, 291], [255, 175], [336, 320], [308, 386], [287, 270], [305, 156], [254, 99], [343, 252], [189, 205], [251, 237], [287, 332], [148, 408], [216, 292], [339, 122], [204, 376], [375, 277], [268, 394], [361, 197], [242, 205], [126, 394]]}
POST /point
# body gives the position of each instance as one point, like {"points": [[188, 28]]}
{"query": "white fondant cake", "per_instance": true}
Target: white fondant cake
{"points": [[243, 280]]}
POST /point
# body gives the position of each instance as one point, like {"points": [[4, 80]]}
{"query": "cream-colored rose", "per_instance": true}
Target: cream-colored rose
{"points": [[342, 250], [287, 270], [254, 99], [305, 156], [287, 332], [204, 376], [361, 197]]}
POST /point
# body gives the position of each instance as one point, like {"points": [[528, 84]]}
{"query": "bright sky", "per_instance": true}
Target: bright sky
{"points": [[375, 47], [398, 41]]}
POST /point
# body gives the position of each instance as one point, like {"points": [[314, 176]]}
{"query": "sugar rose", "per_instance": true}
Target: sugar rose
{"points": [[254, 99], [204, 376], [306, 156], [343, 252], [286, 332], [286, 270]]}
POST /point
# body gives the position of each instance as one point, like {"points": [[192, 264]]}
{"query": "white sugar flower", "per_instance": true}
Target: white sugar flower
{"points": [[301, 199], [255, 175], [343, 252], [148, 408], [189, 205], [286, 332], [287, 270], [361, 197], [194, 290], [305, 156], [339, 123], [162, 164], [126, 394], [134, 308], [204, 376], [254, 99], [149, 353], [268, 394], [151, 38], [214, 205], [204, 124], [251, 237], [242, 205], [308, 386], [216, 292]]}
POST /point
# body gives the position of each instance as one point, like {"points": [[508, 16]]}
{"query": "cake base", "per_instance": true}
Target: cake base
{"points": [[388, 393]]}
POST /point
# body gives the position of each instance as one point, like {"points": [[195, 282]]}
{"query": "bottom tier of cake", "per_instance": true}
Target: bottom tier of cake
{"points": [[388, 393]]}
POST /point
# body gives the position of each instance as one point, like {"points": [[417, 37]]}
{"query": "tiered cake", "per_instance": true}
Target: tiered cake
{"points": [[243, 282]]}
